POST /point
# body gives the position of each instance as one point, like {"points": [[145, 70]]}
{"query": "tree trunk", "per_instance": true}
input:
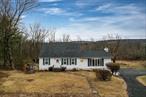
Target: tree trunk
{"points": [[12, 66], [114, 59]]}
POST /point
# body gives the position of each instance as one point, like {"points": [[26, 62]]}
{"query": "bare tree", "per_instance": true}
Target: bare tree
{"points": [[10, 17], [52, 35], [113, 43], [79, 38], [92, 39], [37, 35], [66, 38]]}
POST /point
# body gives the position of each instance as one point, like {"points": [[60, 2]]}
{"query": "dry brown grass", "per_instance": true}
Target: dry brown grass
{"points": [[142, 79], [133, 64], [114, 88], [45, 82], [61, 82]]}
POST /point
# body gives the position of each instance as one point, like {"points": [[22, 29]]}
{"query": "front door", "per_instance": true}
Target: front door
{"points": [[57, 62]]}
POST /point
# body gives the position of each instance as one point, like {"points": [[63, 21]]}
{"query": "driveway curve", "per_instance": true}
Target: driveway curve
{"points": [[135, 89]]}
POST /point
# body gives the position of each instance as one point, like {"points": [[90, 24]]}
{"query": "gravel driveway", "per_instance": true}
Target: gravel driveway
{"points": [[135, 89]]}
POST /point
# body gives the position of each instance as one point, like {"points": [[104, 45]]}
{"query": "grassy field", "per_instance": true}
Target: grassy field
{"points": [[114, 88], [59, 82], [133, 64], [142, 79]]}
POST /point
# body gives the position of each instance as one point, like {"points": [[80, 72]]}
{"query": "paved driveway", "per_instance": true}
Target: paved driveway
{"points": [[135, 89]]}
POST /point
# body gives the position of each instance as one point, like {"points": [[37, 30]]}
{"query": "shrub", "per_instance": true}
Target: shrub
{"points": [[114, 67], [74, 69], [51, 68], [29, 68], [144, 64], [63, 68], [103, 74]]}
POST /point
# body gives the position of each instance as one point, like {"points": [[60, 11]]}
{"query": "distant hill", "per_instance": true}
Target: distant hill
{"points": [[132, 49]]}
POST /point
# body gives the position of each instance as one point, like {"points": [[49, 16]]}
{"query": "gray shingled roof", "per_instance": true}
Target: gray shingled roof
{"points": [[70, 49]]}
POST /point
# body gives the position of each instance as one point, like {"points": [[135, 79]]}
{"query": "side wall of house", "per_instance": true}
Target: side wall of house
{"points": [[82, 63]]}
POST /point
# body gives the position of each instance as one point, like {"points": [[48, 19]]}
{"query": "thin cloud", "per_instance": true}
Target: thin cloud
{"points": [[90, 19], [59, 11], [53, 11], [129, 9], [128, 21], [86, 3], [86, 31], [49, 1], [103, 7], [23, 16]]}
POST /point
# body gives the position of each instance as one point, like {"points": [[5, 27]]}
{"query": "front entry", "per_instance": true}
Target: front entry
{"points": [[57, 62]]}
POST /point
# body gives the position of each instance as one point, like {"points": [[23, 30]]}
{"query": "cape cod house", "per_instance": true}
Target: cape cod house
{"points": [[72, 55]]}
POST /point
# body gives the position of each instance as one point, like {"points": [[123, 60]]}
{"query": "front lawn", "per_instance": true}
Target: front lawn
{"points": [[44, 82], [114, 88], [60, 82], [138, 64], [142, 79]]}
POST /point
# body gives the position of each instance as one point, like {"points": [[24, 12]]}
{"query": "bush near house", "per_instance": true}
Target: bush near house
{"points": [[103, 74], [29, 68], [114, 67], [52, 68]]}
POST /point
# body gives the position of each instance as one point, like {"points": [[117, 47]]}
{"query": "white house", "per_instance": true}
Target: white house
{"points": [[72, 55]]}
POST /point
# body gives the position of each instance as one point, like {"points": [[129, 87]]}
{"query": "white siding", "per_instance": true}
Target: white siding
{"points": [[107, 61], [82, 63], [42, 66]]}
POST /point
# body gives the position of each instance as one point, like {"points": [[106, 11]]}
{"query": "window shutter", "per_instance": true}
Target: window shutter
{"points": [[88, 61], [98, 62], [75, 61], [102, 62], [70, 61], [49, 61], [61, 61], [95, 62]]}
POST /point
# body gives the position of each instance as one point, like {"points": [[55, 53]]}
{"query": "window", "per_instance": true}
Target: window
{"points": [[102, 62], [65, 61], [69, 61], [46, 61], [72, 61], [95, 62]]}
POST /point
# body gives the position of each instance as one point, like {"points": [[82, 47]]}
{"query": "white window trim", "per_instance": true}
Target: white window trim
{"points": [[46, 60], [64, 60], [73, 61], [99, 62]]}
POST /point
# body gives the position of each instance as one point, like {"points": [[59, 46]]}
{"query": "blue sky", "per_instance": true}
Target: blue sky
{"points": [[91, 18]]}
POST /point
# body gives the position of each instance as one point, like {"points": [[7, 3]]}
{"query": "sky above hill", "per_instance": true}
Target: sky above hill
{"points": [[91, 18]]}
